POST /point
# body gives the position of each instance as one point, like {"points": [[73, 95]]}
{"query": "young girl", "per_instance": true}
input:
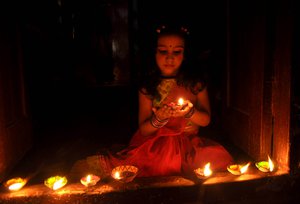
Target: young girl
{"points": [[167, 140]]}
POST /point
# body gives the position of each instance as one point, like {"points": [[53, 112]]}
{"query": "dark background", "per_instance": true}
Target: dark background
{"points": [[70, 62], [81, 61], [75, 75], [77, 95]]}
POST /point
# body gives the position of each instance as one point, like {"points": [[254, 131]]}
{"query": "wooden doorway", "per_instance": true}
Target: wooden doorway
{"points": [[15, 123], [256, 114]]}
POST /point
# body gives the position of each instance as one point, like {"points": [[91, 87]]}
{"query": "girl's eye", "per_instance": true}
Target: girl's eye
{"points": [[163, 52], [177, 52]]}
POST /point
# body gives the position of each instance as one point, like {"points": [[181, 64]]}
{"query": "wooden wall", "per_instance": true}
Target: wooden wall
{"points": [[257, 106], [15, 121]]}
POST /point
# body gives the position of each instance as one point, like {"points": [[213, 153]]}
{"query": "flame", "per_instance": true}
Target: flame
{"points": [[55, 182], [180, 101], [244, 168], [58, 184], [15, 184], [117, 175], [271, 165], [88, 178], [207, 171]]}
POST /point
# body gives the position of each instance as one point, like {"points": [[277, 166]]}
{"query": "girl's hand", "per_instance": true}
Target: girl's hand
{"points": [[164, 112], [168, 111], [183, 110]]}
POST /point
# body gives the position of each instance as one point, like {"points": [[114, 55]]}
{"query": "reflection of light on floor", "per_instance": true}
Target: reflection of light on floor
{"points": [[71, 189], [36, 191], [253, 173]]}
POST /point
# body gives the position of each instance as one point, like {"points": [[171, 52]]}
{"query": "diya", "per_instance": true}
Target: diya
{"points": [[238, 169], [203, 172], [265, 166], [89, 180], [55, 182], [125, 173], [15, 184]]}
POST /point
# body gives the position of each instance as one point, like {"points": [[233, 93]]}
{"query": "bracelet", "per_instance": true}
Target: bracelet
{"points": [[190, 113], [157, 123]]}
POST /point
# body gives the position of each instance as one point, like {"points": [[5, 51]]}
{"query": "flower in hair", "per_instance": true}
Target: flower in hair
{"points": [[185, 30], [182, 29], [159, 29]]}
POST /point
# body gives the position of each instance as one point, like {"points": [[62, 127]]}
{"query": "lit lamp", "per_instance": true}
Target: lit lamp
{"points": [[237, 169], [181, 103], [89, 180], [265, 166], [124, 173], [55, 182], [203, 172], [15, 184]]}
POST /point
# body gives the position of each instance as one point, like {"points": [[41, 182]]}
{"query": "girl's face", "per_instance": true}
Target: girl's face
{"points": [[169, 54]]}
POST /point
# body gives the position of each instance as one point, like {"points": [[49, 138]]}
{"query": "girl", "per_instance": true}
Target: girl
{"points": [[167, 140]]}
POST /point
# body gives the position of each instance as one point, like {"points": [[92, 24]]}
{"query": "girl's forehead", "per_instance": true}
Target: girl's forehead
{"points": [[170, 40]]}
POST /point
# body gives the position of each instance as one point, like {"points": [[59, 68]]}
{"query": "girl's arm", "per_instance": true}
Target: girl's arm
{"points": [[150, 117], [145, 114], [202, 114]]}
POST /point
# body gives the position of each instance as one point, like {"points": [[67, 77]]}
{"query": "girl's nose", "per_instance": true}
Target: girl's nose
{"points": [[170, 57]]}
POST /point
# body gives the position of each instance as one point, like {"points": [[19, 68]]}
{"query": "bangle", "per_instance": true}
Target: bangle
{"points": [[190, 113], [157, 123]]}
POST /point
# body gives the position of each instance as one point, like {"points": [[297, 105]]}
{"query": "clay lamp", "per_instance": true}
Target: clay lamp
{"points": [[89, 180], [15, 184], [265, 166], [203, 172], [181, 103], [238, 169], [125, 173], [55, 182]]}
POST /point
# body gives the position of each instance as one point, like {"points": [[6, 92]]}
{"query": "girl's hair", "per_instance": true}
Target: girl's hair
{"points": [[190, 74]]}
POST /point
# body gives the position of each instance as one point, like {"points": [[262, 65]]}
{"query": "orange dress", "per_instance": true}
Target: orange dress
{"points": [[171, 150]]}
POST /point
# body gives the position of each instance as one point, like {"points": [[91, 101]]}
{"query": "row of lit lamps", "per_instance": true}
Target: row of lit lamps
{"points": [[127, 173], [236, 169]]}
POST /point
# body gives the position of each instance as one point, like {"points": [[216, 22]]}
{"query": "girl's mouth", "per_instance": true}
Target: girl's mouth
{"points": [[169, 65]]}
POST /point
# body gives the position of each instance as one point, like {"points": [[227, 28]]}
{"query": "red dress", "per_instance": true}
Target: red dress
{"points": [[171, 150]]}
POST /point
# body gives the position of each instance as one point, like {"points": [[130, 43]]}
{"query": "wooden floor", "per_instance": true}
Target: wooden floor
{"points": [[66, 133]]}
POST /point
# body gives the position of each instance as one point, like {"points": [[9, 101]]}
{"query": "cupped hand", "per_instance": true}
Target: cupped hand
{"points": [[163, 113], [166, 111], [182, 111]]}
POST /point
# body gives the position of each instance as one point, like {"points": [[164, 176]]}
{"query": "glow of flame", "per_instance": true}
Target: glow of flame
{"points": [[88, 178], [58, 184], [16, 186], [117, 175], [244, 168], [207, 171], [180, 101], [271, 165]]}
